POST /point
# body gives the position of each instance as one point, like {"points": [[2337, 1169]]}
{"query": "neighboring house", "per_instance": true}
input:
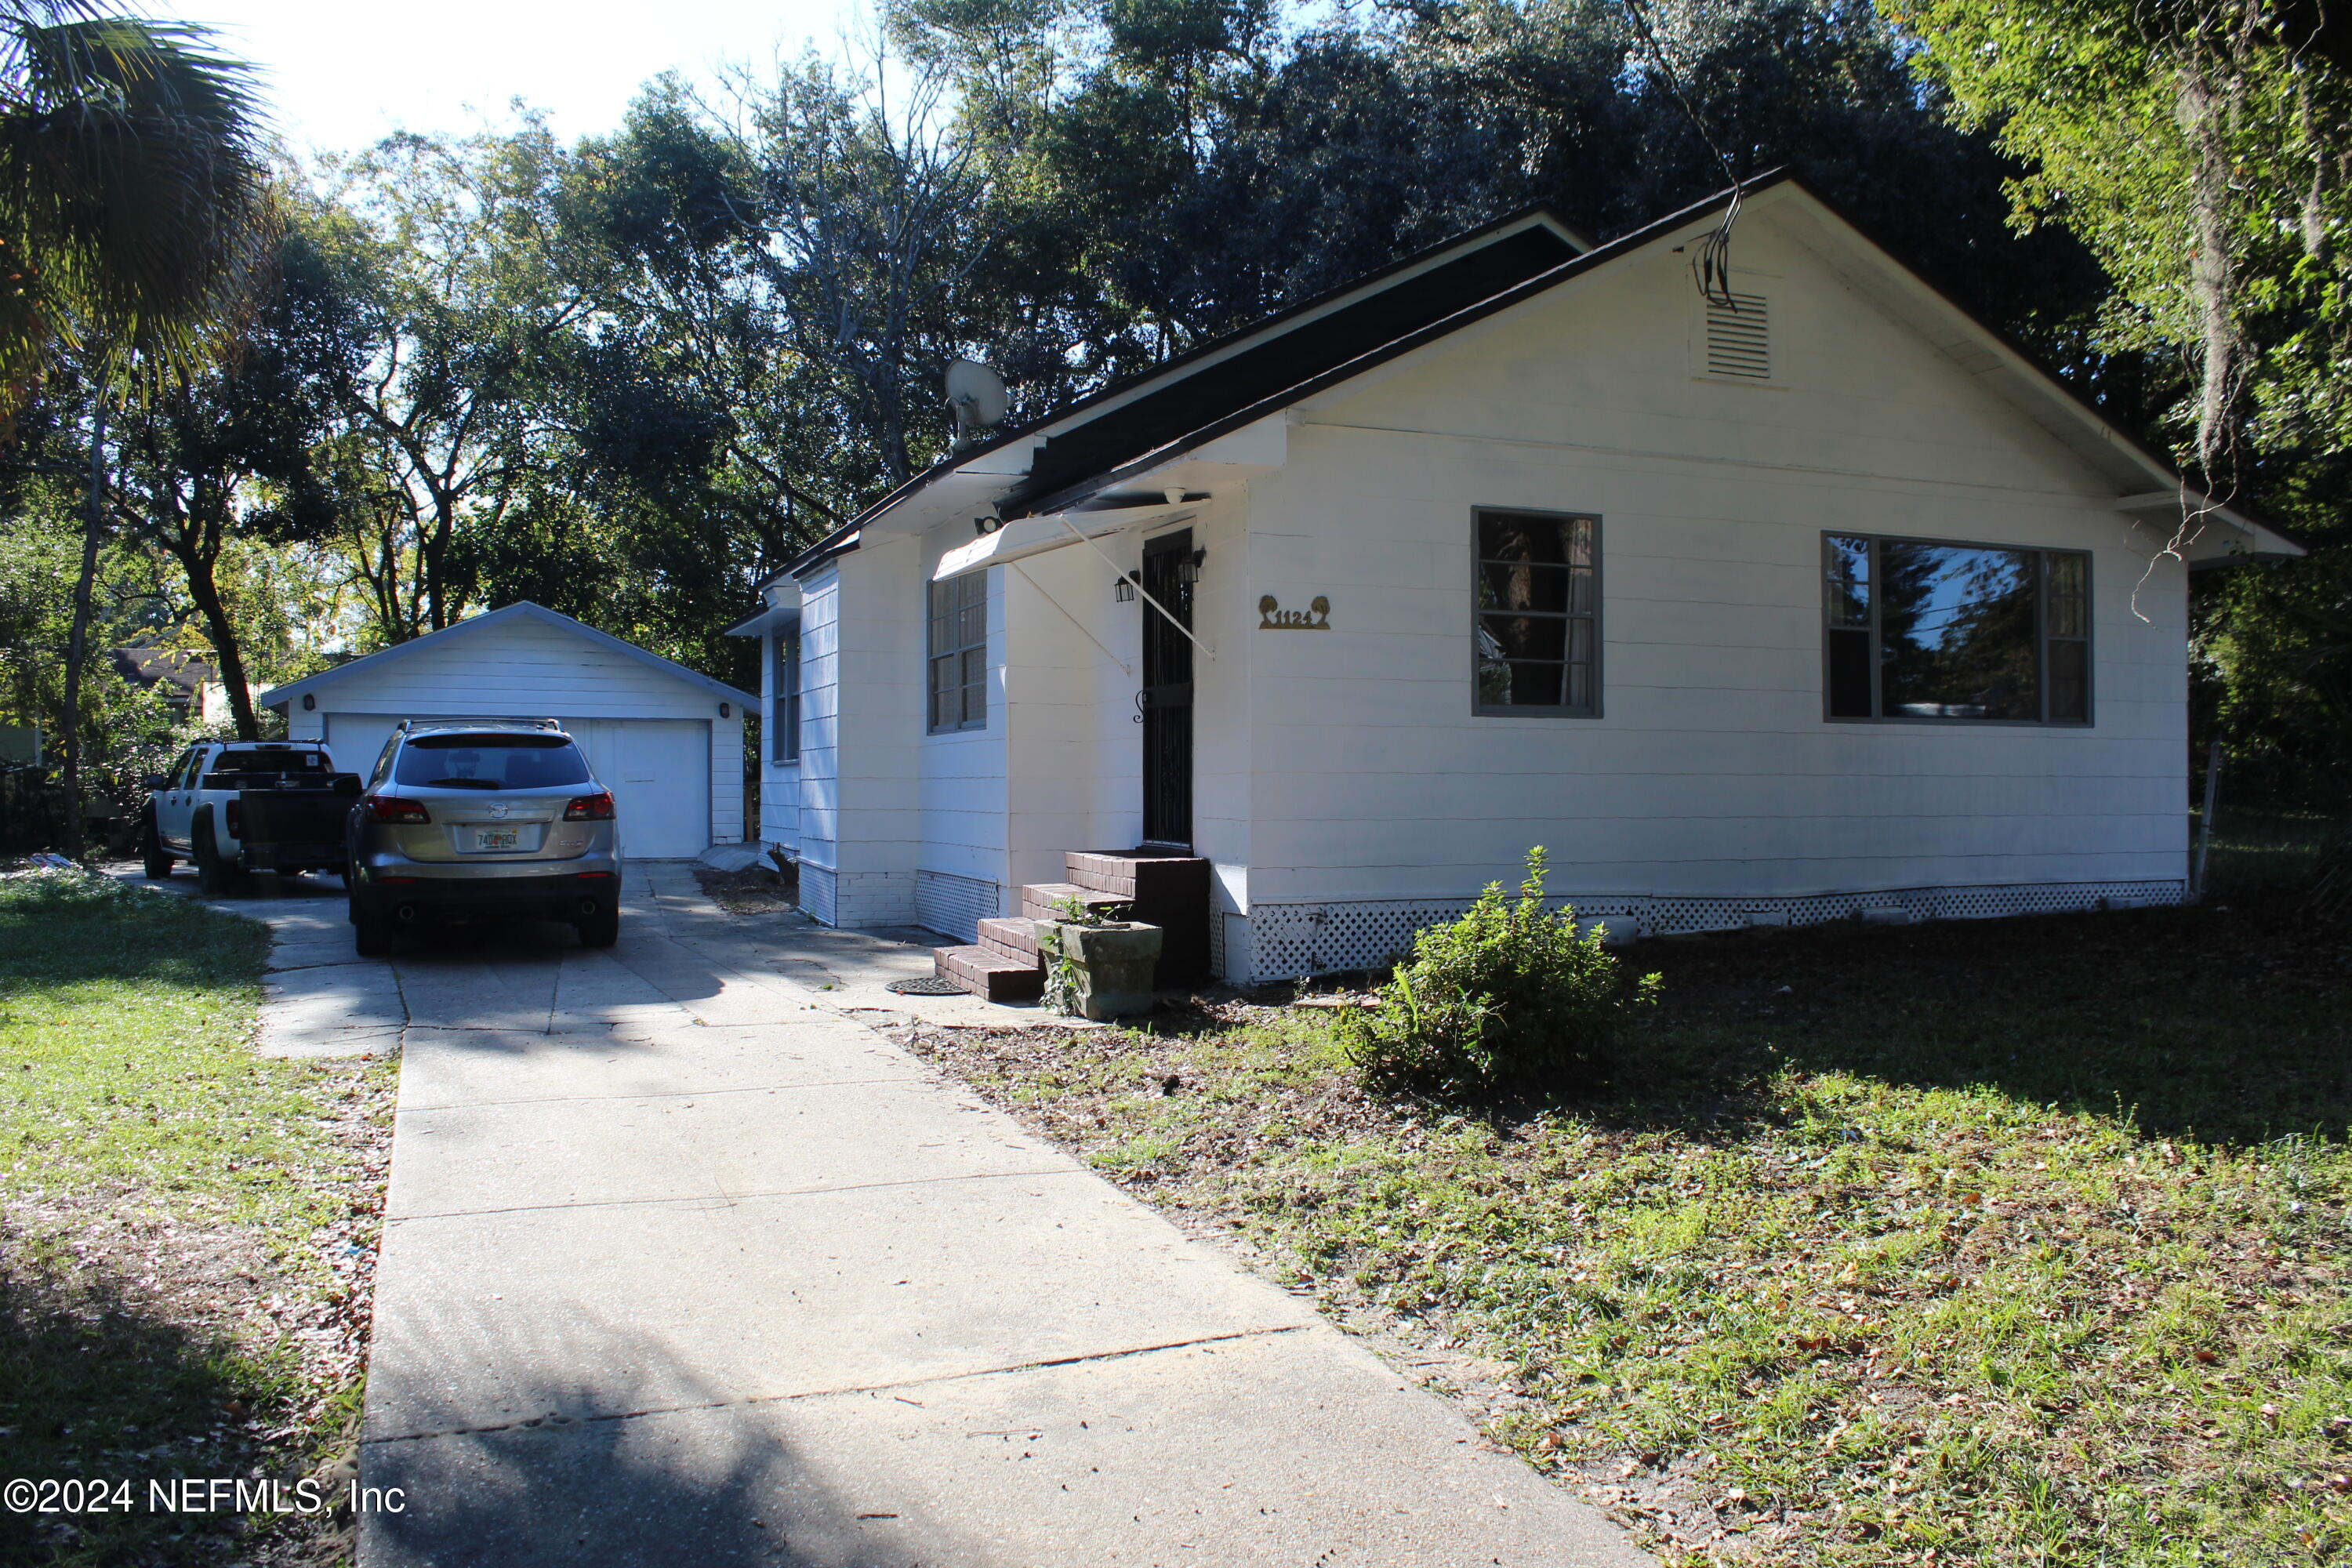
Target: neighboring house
{"points": [[1816, 602], [189, 685], [186, 682], [215, 708], [667, 740]]}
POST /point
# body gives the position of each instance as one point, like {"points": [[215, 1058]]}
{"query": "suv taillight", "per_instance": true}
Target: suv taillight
{"points": [[391, 808], [597, 807]]}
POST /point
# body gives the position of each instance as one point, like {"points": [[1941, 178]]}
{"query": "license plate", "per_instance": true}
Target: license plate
{"points": [[497, 837]]}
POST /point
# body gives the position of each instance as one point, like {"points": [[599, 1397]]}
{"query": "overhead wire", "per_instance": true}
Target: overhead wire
{"points": [[1711, 258]]}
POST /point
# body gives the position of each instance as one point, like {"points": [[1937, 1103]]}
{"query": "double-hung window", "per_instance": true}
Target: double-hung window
{"points": [[784, 706], [1537, 593], [959, 654], [1922, 629]]}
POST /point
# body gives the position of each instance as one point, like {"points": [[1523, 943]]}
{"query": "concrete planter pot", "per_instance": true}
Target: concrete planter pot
{"points": [[1111, 964]]}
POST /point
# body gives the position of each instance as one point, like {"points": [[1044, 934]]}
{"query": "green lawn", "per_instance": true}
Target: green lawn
{"points": [[186, 1229], [2003, 1242]]}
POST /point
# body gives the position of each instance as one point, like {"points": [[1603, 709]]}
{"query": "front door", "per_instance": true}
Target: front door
{"points": [[1166, 701]]}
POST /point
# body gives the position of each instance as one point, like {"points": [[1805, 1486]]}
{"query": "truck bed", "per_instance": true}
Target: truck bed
{"points": [[296, 827]]}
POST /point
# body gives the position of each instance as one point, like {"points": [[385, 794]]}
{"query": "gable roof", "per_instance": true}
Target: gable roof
{"points": [[143, 665], [521, 609], [1141, 410], [1142, 423], [1287, 349]]}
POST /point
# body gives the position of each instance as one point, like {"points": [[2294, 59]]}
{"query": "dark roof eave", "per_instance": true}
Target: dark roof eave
{"points": [[841, 542], [1226, 423], [945, 466], [844, 539], [1599, 257]]}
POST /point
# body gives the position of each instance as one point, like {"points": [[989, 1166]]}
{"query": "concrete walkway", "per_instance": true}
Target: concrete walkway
{"points": [[684, 1264]]}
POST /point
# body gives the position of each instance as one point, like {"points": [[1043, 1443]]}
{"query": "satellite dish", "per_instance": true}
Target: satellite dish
{"points": [[977, 395]]}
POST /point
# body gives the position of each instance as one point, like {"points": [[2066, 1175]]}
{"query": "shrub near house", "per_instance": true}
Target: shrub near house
{"points": [[1510, 994]]}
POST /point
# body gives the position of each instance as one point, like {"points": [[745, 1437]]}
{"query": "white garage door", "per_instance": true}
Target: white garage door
{"points": [[659, 772], [657, 769], [354, 739]]}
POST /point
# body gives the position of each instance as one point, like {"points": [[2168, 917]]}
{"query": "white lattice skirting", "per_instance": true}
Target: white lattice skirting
{"points": [[952, 905], [1291, 940], [817, 890]]}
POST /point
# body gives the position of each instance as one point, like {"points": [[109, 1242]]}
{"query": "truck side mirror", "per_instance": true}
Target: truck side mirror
{"points": [[347, 784], [153, 781]]}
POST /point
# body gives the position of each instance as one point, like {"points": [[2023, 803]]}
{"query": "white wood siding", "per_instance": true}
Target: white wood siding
{"points": [[1713, 771], [960, 861], [819, 778], [861, 654], [1074, 753], [726, 777]]}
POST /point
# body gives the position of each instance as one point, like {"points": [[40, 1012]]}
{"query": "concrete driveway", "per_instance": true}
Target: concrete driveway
{"points": [[685, 1264]]}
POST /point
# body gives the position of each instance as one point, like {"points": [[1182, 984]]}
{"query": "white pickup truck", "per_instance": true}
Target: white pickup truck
{"points": [[233, 807]]}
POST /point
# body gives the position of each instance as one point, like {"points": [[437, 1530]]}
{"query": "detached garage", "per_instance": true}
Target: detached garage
{"points": [[667, 740]]}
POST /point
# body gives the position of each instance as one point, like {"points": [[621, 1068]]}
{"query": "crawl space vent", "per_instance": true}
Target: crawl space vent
{"points": [[1738, 342]]}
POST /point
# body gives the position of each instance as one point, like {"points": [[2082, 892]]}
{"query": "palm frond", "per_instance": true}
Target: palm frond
{"points": [[135, 208]]}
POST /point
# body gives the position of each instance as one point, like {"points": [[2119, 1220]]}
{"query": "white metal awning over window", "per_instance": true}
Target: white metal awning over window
{"points": [[1030, 536]]}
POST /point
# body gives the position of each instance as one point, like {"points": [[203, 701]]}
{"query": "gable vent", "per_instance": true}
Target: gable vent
{"points": [[1738, 342]]}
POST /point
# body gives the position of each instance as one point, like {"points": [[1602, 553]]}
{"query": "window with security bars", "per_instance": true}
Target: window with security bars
{"points": [[1537, 593], [1738, 337], [959, 654], [784, 708], [1922, 629]]}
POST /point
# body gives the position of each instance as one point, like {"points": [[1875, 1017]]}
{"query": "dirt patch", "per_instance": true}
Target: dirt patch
{"points": [[754, 890]]}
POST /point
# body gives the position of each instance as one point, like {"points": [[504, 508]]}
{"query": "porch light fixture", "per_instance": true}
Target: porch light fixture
{"points": [[726, 710], [1124, 590], [1188, 567], [309, 701]]}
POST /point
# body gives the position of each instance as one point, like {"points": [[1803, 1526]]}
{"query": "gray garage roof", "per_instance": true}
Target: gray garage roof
{"points": [[295, 691]]}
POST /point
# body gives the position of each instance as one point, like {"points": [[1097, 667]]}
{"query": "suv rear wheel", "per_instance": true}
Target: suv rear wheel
{"points": [[371, 937], [370, 934]]}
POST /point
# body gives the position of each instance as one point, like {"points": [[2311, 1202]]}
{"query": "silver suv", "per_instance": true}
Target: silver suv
{"points": [[485, 817]]}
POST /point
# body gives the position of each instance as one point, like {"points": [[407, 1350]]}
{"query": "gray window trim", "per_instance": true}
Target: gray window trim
{"points": [[2041, 555], [932, 654], [1600, 567], [784, 705]]}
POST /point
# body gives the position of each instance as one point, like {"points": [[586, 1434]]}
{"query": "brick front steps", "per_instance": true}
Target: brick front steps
{"points": [[991, 974], [1171, 891]]}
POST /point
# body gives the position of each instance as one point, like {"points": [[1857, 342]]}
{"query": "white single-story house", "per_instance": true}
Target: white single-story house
{"points": [[1801, 598], [668, 740]]}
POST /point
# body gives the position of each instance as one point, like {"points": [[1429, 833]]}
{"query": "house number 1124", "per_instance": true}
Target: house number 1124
{"points": [[1273, 617]]}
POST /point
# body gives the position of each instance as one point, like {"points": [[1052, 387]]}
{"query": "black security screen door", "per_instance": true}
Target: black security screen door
{"points": [[1166, 701]]}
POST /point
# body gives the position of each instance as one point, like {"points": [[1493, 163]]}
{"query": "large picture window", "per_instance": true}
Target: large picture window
{"points": [[1538, 593], [959, 654], [1984, 633], [785, 710]]}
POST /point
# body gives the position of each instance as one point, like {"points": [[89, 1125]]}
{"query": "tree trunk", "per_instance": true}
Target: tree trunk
{"points": [[77, 640], [435, 548], [228, 657]]}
